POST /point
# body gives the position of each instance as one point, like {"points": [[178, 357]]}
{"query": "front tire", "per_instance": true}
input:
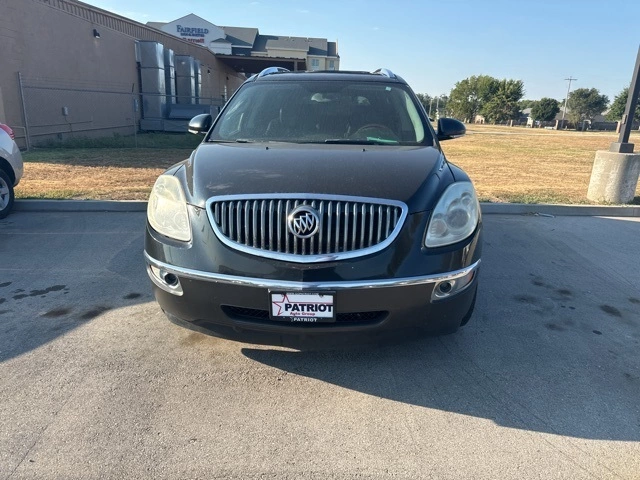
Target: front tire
{"points": [[6, 194]]}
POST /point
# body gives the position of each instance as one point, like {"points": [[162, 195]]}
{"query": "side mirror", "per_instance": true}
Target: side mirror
{"points": [[200, 124], [449, 128]]}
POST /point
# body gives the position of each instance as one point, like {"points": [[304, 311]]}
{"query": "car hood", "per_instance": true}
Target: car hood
{"points": [[413, 175]]}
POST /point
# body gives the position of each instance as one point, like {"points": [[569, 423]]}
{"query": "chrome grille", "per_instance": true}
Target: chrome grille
{"points": [[349, 226]]}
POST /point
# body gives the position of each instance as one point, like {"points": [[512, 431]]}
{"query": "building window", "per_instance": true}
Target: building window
{"points": [[332, 65], [315, 64]]}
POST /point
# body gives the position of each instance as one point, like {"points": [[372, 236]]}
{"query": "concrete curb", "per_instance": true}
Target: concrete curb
{"points": [[561, 210], [487, 208]]}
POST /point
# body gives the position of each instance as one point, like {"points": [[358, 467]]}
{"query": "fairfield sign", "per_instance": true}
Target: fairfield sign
{"points": [[194, 29], [192, 34], [191, 31]]}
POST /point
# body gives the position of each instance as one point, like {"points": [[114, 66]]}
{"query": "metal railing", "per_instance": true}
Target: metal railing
{"points": [[56, 111]]}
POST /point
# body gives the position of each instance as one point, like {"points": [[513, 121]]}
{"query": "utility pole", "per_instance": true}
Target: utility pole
{"points": [[564, 110], [438, 106]]}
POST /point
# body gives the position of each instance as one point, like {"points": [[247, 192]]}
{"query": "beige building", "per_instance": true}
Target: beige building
{"points": [[73, 70]]}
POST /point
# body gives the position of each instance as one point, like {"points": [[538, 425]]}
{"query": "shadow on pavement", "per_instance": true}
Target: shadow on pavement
{"points": [[513, 387], [552, 347], [61, 271]]}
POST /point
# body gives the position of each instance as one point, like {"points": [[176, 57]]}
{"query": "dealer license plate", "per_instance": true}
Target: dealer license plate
{"points": [[303, 307]]}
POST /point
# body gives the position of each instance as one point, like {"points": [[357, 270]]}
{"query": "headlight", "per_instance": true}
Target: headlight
{"points": [[167, 209], [455, 217]]}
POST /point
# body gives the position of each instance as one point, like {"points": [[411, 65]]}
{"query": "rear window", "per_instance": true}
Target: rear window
{"points": [[323, 112]]}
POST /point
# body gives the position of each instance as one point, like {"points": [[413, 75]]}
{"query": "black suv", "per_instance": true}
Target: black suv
{"points": [[318, 202]]}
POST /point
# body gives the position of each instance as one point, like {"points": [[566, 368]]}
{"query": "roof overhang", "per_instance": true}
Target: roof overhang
{"points": [[250, 64]]}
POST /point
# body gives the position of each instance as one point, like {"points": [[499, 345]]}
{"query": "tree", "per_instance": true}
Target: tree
{"points": [[545, 109], [424, 100], [469, 96], [503, 105], [440, 105], [430, 103], [618, 106], [586, 103], [523, 104]]}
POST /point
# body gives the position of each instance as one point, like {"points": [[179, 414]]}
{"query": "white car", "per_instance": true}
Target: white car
{"points": [[11, 168]]}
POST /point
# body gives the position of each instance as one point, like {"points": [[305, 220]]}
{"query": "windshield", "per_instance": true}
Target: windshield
{"points": [[323, 112]]}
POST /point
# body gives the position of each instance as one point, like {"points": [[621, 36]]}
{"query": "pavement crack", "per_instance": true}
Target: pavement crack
{"points": [[39, 436], [516, 415]]}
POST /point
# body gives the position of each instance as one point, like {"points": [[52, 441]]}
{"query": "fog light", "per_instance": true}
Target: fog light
{"points": [[170, 279], [167, 281], [445, 287], [450, 287]]}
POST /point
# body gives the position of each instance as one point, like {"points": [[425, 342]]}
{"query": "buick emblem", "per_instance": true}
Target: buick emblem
{"points": [[303, 222]]}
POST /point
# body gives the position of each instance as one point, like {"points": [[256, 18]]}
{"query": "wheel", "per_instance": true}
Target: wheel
{"points": [[6, 194], [375, 129]]}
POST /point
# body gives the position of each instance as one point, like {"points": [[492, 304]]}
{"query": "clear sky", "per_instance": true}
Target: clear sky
{"points": [[434, 44]]}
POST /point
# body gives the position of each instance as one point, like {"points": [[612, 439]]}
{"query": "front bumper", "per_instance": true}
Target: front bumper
{"points": [[206, 300], [15, 160]]}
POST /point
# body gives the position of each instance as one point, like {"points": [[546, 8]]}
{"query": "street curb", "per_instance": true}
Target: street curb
{"points": [[487, 208], [560, 210]]}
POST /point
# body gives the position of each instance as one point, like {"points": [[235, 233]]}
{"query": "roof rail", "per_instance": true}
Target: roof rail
{"points": [[271, 70], [386, 72]]}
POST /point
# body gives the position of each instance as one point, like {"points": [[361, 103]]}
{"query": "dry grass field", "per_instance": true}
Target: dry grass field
{"points": [[530, 165], [506, 165], [95, 173]]}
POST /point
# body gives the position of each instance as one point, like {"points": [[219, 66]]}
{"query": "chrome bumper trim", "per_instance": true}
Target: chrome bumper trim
{"points": [[294, 286]]}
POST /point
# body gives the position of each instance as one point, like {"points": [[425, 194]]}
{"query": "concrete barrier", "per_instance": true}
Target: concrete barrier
{"points": [[614, 177]]}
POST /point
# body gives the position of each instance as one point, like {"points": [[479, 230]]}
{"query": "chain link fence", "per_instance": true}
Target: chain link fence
{"points": [[58, 113]]}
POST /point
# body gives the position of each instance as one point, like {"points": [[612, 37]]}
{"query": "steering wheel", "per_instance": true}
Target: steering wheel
{"points": [[375, 129]]}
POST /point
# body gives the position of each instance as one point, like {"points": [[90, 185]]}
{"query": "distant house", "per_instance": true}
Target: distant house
{"points": [[525, 117], [521, 120], [599, 122]]}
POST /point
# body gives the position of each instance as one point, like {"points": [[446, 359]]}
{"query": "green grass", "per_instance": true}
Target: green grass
{"points": [[54, 194], [108, 157], [142, 140], [533, 198]]}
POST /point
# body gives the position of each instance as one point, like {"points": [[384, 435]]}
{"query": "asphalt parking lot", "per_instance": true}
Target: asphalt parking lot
{"points": [[543, 383]]}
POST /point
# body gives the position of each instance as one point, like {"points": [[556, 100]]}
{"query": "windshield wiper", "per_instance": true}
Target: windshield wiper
{"points": [[383, 141], [349, 141], [237, 140], [362, 141]]}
